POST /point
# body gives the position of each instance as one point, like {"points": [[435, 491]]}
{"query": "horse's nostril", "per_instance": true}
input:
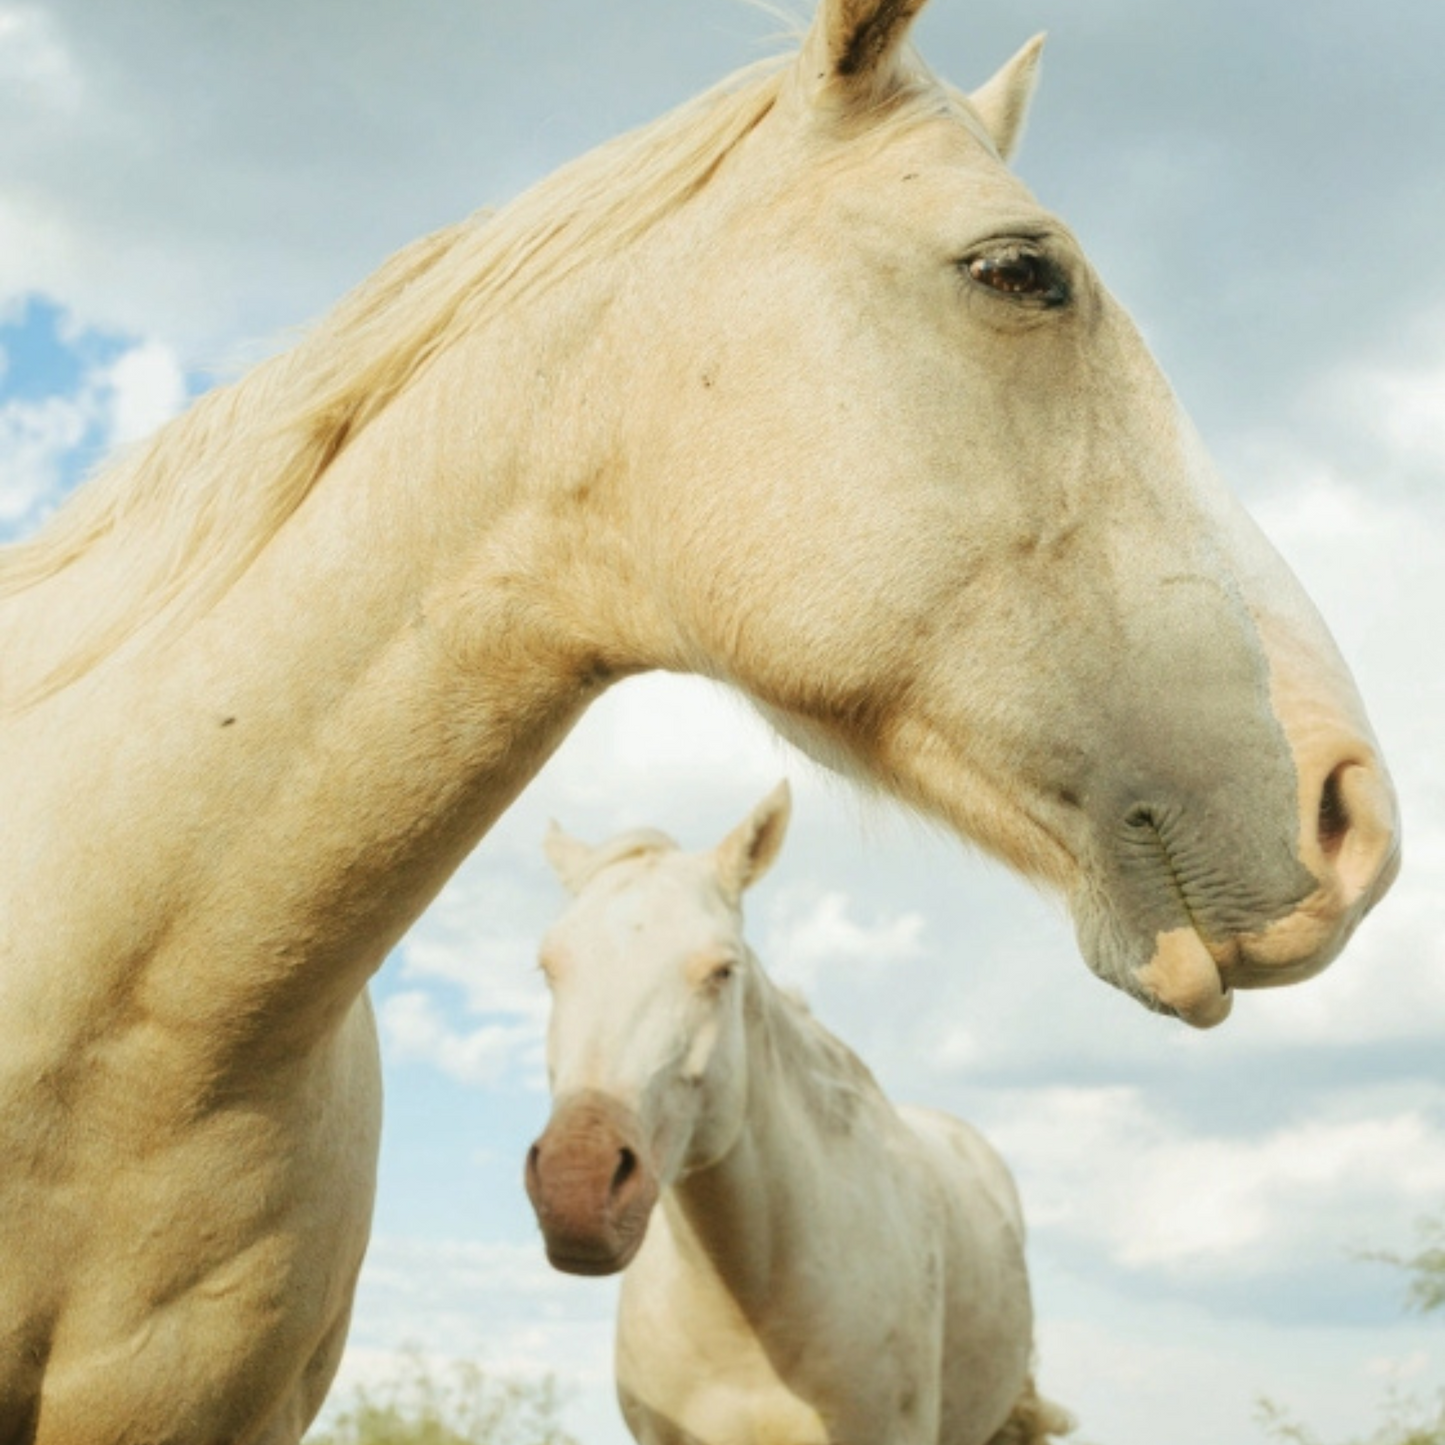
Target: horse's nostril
{"points": [[534, 1161], [626, 1168], [1334, 814]]}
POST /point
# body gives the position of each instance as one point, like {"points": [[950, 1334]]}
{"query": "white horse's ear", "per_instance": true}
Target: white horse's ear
{"points": [[571, 859], [748, 851], [853, 47], [1003, 102]]}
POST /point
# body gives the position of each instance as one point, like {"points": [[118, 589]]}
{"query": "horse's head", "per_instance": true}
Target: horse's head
{"points": [[645, 1050], [919, 488]]}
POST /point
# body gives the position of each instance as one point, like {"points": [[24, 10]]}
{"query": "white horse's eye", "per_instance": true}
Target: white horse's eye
{"points": [[1022, 273], [720, 973]]}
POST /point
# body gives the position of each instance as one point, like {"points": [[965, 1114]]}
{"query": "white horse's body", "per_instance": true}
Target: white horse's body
{"points": [[820, 1267], [797, 388]]}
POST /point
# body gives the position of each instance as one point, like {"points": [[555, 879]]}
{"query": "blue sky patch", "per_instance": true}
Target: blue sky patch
{"points": [[46, 355]]}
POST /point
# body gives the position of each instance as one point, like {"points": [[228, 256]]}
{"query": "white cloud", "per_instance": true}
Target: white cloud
{"points": [[146, 386], [476, 937], [413, 1028], [1108, 1174], [657, 739], [36, 440], [1398, 402], [808, 931], [41, 440], [35, 61]]}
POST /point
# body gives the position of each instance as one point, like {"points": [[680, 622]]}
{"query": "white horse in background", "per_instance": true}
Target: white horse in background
{"points": [[805, 1263], [797, 388]]}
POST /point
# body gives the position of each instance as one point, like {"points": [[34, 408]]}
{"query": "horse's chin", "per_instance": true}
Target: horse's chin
{"points": [[593, 1264]]}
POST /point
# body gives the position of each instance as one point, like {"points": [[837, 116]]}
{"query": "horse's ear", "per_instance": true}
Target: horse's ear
{"points": [[748, 851], [1003, 102], [571, 859], [853, 47]]}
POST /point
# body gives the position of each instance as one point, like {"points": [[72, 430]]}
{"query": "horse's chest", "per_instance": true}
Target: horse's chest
{"points": [[166, 1284], [849, 1366], [170, 1333]]}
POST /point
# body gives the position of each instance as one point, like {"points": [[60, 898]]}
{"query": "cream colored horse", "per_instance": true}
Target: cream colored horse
{"points": [[797, 388], [805, 1263]]}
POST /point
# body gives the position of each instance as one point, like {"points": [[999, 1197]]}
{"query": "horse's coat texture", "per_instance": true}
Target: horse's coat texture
{"points": [[797, 388], [805, 1262]]}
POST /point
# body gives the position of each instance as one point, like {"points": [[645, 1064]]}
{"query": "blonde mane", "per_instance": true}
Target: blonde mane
{"points": [[215, 485]]}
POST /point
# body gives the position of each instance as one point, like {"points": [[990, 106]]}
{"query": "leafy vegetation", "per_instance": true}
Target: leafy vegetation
{"points": [[459, 1406], [1408, 1419]]}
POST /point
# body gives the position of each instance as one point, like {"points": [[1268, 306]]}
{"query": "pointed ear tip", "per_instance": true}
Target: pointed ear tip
{"points": [[1027, 57], [558, 847], [778, 803]]}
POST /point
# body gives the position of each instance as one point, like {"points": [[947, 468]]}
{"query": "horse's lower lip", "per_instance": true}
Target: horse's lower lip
{"points": [[589, 1263], [1185, 978]]}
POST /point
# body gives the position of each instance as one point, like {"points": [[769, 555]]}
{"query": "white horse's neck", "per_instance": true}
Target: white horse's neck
{"points": [[281, 787], [813, 1107]]}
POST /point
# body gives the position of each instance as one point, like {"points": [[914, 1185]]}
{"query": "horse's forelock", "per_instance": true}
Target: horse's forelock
{"points": [[639, 843]]}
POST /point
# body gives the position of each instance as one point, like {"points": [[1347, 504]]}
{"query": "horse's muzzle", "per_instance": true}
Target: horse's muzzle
{"points": [[1348, 852], [591, 1184]]}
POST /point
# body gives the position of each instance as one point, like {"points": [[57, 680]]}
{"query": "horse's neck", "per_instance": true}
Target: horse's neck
{"points": [[814, 1115], [275, 793]]}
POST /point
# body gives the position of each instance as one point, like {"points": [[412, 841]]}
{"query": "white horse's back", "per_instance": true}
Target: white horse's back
{"points": [[963, 1153]]}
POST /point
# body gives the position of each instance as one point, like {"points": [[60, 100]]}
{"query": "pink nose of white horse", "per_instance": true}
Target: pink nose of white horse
{"points": [[590, 1185]]}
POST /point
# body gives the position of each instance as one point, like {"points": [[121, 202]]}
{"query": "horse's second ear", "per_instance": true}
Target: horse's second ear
{"points": [[1003, 102], [571, 859], [853, 47], [748, 851]]}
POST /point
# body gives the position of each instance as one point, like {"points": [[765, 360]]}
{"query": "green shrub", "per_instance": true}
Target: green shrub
{"points": [[1408, 1419], [462, 1405]]}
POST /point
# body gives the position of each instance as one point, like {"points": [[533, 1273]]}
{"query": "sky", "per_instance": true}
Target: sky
{"points": [[182, 185]]}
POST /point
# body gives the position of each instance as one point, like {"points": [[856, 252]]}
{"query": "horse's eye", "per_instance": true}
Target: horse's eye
{"points": [[1017, 271], [719, 975]]}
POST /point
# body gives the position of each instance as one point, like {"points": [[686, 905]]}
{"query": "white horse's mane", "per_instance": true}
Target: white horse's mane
{"points": [[638, 843], [212, 487]]}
